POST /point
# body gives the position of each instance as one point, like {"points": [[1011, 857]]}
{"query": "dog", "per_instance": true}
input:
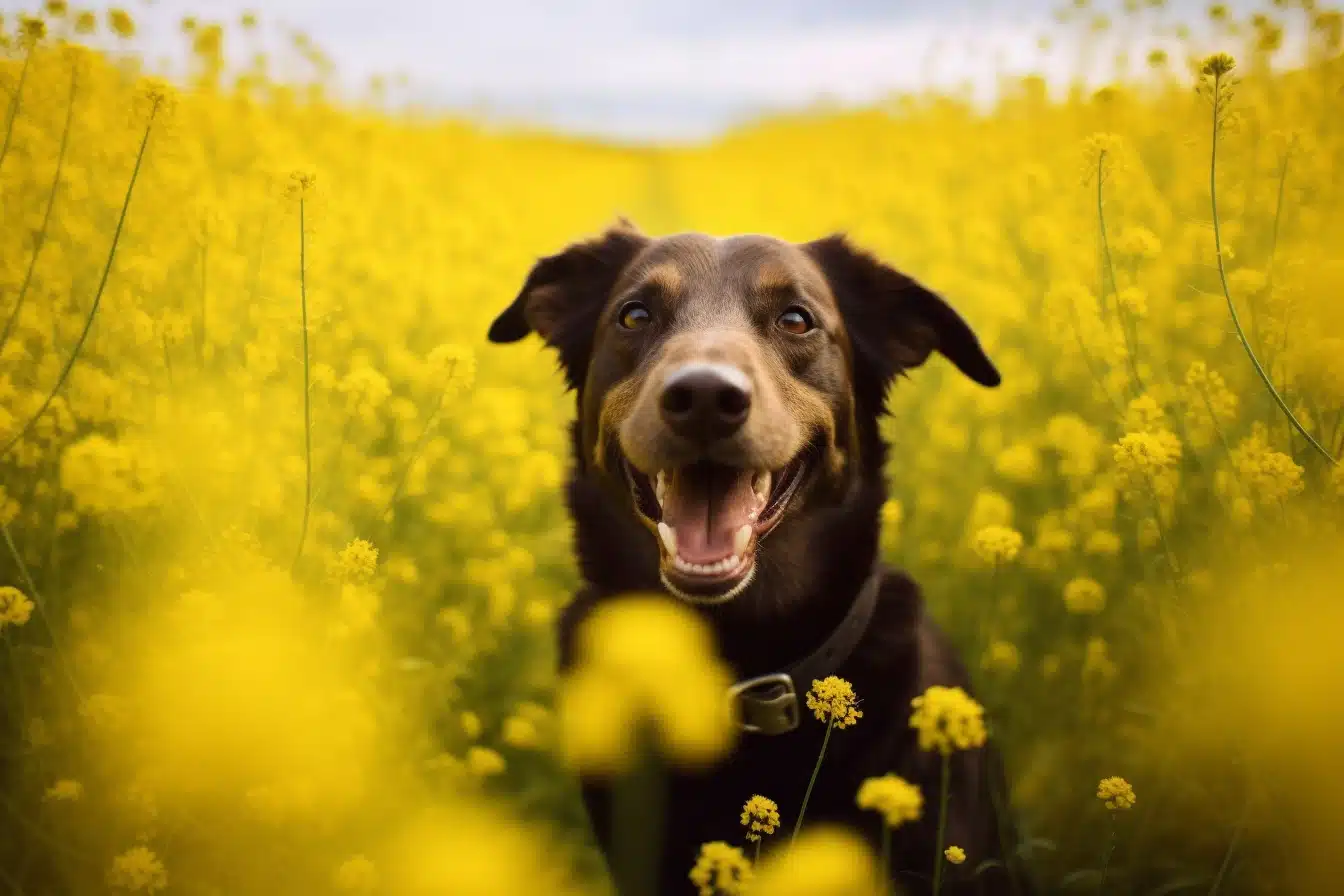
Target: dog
{"points": [[726, 453]]}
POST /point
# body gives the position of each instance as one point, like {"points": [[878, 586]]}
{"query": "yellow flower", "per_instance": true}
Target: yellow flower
{"points": [[1084, 596], [1134, 300], [1217, 65], [1116, 793], [896, 799], [471, 724], [32, 28], [1337, 480], [833, 701], [955, 854], [520, 733], [65, 790], [997, 544], [138, 870], [824, 861], [761, 816], [947, 719], [721, 870], [1097, 660], [121, 23], [15, 607], [357, 560], [356, 874], [1141, 455], [645, 663], [484, 762], [1001, 656], [1103, 542]]}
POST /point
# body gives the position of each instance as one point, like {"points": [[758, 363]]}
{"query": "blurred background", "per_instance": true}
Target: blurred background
{"points": [[652, 71], [282, 541]]}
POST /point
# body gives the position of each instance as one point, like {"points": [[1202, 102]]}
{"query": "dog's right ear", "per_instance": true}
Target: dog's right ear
{"points": [[564, 293]]}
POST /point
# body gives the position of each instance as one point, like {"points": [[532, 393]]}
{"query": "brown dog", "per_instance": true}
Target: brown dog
{"points": [[726, 453]]}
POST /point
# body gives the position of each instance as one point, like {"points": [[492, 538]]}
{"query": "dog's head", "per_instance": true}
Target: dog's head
{"points": [[729, 389]]}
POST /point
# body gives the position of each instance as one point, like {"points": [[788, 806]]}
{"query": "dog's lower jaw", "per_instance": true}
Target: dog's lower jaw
{"points": [[710, 600]]}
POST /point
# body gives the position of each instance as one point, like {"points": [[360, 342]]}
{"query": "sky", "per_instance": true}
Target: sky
{"points": [[650, 69]]}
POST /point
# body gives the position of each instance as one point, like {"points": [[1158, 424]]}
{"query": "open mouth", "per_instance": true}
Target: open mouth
{"points": [[711, 517]]}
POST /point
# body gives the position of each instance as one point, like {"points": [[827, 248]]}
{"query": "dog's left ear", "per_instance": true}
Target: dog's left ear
{"points": [[564, 294], [895, 323]]}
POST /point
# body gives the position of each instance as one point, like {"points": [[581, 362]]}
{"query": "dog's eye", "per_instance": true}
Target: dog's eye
{"points": [[796, 321], [634, 315]]}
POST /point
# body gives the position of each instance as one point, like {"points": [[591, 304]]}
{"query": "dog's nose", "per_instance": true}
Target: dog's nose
{"points": [[705, 402]]}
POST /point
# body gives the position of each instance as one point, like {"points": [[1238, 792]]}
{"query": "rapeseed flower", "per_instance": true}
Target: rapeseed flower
{"points": [[1116, 793], [15, 607], [955, 854], [833, 701], [895, 799], [997, 544], [947, 720], [721, 870], [760, 815], [645, 661], [1084, 596], [138, 870]]}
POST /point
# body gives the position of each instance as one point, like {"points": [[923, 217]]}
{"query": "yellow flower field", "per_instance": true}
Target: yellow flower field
{"points": [[283, 539]]}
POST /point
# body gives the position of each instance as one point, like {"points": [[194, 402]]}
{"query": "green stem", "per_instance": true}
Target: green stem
{"points": [[807, 795], [636, 836], [307, 402], [1227, 293], [1273, 258], [41, 607], [756, 854], [938, 857], [14, 106], [1131, 352], [420, 443], [1107, 266], [1110, 848], [46, 216], [1231, 849], [98, 296]]}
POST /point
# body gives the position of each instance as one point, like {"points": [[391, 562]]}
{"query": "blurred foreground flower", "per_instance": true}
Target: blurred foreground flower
{"points": [[644, 661], [823, 862]]}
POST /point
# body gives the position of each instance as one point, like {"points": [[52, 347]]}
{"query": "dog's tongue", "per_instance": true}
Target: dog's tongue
{"points": [[705, 505]]}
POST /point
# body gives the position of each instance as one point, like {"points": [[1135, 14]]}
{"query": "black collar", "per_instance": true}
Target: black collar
{"points": [[768, 704]]}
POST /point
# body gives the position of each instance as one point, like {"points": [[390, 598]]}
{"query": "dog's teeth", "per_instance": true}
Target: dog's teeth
{"points": [[669, 537], [760, 484], [660, 486], [741, 538]]}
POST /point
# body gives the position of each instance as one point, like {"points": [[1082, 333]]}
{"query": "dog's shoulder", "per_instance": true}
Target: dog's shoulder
{"points": [[908, 641]]}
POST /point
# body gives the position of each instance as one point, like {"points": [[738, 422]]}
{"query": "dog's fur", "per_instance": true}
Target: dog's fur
{"points": [[720, 300]]}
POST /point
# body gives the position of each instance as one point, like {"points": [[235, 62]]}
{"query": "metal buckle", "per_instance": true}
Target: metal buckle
{"points": [[767, 704]]}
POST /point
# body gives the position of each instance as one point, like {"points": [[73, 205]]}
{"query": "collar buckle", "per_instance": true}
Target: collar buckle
{"points": [[767, 704]]}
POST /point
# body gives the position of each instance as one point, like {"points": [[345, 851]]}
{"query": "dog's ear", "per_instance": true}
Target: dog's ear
{"points": [[564, 293], [894, 322]]}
